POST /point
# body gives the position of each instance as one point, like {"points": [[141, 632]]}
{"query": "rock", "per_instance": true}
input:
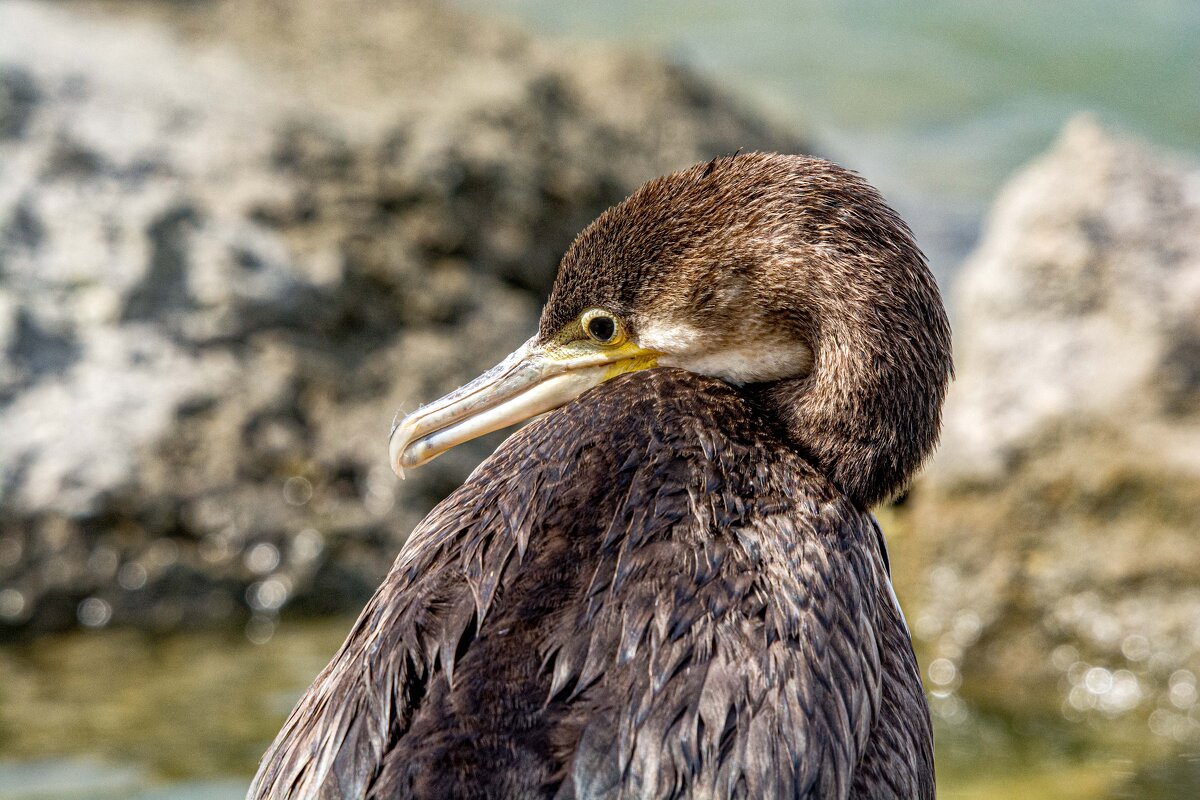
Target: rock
{"points": [[1084, 297], [1057, 537], [236, 238]]}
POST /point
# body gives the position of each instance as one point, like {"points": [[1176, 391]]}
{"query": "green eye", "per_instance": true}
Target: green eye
{"points": [[601, 327]]}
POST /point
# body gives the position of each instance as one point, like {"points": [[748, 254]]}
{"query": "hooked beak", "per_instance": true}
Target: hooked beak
{"points": [[532, 380]]}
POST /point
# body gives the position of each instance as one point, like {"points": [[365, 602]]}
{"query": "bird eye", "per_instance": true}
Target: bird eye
{"points": [[602, 329], [601, 326]]}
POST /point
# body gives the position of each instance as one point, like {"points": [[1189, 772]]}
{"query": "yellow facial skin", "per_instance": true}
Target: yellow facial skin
{"points": [[532, 380]]}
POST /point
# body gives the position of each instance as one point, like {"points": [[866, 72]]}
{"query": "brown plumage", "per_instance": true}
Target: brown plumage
{"points": [[670, 587]]}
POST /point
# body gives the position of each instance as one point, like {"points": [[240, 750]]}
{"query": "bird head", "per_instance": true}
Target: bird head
{"points": [[785, 276]]}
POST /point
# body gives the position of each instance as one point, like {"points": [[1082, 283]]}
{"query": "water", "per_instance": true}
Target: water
{"points": [[100, 715], [935, 102], [125, 714]]}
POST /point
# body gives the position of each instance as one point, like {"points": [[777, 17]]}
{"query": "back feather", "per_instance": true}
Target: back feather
{"points": [[644, 594]]}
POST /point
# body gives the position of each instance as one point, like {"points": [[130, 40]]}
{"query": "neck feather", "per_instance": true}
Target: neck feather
{"points": [[869, 412]]}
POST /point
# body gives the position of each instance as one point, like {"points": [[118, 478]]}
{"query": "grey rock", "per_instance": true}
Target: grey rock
{"points": [[236, 238], [1053, 554], [1082, 301], [18, 96]]}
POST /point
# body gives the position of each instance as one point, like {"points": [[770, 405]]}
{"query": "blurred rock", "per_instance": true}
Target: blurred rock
{"points": [[236, 238], [1081, 303], [1058, 532]]}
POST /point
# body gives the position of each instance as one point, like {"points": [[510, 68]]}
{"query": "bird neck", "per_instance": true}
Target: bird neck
{"points": [[869, 412]]}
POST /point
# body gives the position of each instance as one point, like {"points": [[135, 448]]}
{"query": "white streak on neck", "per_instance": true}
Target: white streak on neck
{"points": [[690, 348]]}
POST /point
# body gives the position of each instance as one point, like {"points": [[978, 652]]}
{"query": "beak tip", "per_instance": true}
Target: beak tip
{"points": [[396, 446]]}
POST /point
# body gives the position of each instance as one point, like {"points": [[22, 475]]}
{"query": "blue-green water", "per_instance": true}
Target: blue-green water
{"points": [[936, 102]]}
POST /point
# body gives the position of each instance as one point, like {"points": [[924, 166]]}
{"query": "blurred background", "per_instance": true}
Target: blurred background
{"points": [[237, 237]]}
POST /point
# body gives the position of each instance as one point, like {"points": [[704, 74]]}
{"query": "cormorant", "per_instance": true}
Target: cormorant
{"points": [[671, 586]]}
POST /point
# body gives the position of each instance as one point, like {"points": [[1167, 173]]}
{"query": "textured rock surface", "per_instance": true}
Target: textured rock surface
{"points": [[1058, 532], [1081, 303], [236, 238]]}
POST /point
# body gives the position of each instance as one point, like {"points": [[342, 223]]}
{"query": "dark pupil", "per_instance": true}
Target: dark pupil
{"points": [[602, 328]]}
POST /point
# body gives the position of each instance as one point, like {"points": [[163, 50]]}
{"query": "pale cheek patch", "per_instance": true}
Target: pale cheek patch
{"points": [[686, 347], [672, 338]]}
